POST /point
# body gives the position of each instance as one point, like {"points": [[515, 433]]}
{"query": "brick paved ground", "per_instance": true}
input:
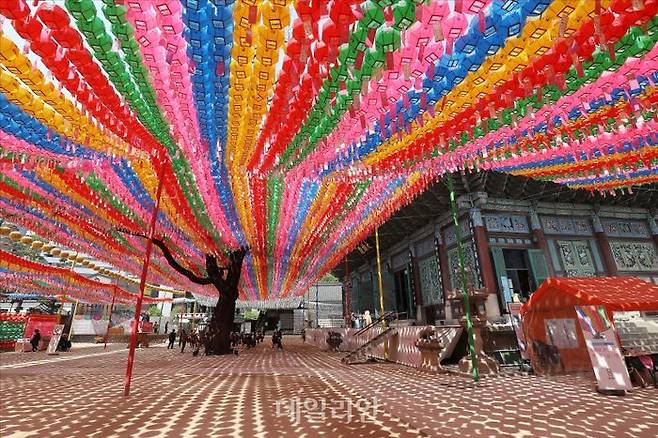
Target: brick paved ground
{"points": [[174, 394]]}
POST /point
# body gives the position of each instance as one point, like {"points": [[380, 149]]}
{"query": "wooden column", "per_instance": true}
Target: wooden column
{"points": [[604, 247], [482, 245], [418, 295], [653, 228], [442, 256], [539, 239]]}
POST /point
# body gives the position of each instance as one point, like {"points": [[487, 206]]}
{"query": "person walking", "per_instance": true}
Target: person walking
{"points": [[172, 339], [36, 337], [277, 339]]}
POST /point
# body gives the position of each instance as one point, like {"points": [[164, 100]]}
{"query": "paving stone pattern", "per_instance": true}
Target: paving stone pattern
{"points": [[298, 392]]}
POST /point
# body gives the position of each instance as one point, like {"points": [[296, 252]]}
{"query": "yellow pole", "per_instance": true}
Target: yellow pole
{"points": [[381, 290]]}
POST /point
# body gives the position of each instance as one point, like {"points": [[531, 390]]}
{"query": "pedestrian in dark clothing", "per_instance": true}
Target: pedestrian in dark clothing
{"points": [[36, 337], [183, 340], [235, 338], [207, 343], [277, 340], [196, 344], [182, 336], [172, 339]]}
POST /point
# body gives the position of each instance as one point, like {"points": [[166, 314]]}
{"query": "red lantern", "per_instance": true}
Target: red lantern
{"points": [[16, 10]]}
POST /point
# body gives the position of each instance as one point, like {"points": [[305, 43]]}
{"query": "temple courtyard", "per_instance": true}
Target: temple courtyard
{"points": [[300, 391]]}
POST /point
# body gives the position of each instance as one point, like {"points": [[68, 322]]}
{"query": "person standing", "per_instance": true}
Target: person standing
{"points": [[367, 319], [36, 337], [181, 336], [183, 340], [172, 339]]}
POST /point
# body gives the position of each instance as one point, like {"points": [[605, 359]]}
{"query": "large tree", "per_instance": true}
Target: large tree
{"points": [[225, 279]]}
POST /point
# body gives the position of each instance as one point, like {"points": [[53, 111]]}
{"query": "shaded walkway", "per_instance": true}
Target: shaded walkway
{"points": [[177, 394]]}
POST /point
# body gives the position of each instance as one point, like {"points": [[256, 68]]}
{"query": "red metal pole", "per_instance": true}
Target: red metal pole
{"points": [[109, 319], [142, 286]]}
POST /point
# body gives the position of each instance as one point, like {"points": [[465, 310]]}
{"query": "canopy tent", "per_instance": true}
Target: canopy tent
{"points": [[297, 128], [549, 316]]}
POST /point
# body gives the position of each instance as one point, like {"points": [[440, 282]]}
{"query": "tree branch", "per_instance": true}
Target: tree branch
{"points": [[171, 260], [178, 267], [215, 272]]}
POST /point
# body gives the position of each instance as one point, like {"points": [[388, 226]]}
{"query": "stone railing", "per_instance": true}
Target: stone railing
{"points": [[401, 344]]}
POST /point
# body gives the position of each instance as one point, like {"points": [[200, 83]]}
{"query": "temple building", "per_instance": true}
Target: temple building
{"points": [[515, 232]]}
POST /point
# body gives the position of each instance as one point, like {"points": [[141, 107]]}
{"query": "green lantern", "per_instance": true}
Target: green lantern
{"points": [[373, 15], [359, 36], [404, 13], [387, 39], [93, 27], [81, 9], [373, 61], [101, 43], [115, 13]]}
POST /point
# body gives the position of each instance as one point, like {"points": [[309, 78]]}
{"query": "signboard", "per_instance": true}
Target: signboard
{"points": [[142, 327], [189, 316], [146, 327], [82, 325], [517, 323], [45, 324], [603, 347], [54, 338], [561, 332]]}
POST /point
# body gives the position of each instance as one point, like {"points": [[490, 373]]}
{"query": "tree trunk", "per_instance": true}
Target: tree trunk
{"points": [[225, 279], [221, 325]]}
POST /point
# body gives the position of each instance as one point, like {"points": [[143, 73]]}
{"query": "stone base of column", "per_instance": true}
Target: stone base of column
{"points": [[486, 364]]}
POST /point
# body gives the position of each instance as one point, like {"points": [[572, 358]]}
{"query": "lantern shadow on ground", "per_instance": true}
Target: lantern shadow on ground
{"points": [[177, 394]]}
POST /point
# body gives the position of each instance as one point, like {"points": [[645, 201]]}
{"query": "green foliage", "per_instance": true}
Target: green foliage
{"points": [[329, 278], [154, 310]]}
